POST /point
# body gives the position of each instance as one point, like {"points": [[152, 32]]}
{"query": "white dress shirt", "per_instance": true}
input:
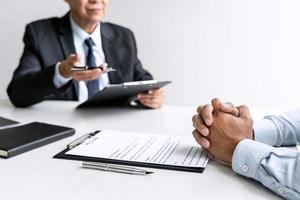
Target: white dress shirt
{"points": [[277, 168], [79, 36]]}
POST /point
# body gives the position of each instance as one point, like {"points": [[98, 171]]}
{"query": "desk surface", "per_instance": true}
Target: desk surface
{"points": [[35, 175]]}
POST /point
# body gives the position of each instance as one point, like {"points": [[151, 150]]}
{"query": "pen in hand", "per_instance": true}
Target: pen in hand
{"points": [[105, 69], [115, 168]]}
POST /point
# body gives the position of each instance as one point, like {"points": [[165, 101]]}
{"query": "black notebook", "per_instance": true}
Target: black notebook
{"points": [[7, 122], [20, 139]]}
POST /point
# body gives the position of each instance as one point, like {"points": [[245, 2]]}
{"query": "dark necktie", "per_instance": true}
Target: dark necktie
{"points": [[93, 85]]}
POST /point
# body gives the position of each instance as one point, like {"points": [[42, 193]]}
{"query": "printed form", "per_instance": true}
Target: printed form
{"points": [[144, 148]]}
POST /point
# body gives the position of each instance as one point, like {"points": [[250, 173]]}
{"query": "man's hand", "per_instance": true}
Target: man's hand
{"points": [[74, 60], [225, 132], [153, 98], [204, 118]]}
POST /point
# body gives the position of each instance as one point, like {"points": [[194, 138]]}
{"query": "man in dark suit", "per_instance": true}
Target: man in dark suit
{"points": [[53, 46]]}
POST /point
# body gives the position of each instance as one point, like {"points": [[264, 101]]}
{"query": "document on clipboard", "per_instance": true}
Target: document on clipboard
{"points": [[138, 149], [121, 93]]}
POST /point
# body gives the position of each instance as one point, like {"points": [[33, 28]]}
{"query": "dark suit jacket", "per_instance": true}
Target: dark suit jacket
{"points": [[50, 41]]}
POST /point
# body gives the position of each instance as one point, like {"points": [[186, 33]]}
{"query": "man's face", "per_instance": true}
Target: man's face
{"points": [[88, 11]]}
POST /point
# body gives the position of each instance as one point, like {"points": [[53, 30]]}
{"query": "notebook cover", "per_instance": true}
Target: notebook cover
{"points": [[20, 139]]}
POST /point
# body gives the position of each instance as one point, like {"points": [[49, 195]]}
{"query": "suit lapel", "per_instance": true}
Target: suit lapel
{"points": [[109, 48], [65, 38]]}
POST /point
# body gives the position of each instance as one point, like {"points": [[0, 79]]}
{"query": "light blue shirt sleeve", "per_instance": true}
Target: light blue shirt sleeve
{"points": [[283, 130], [58, 79], [276, 168]]}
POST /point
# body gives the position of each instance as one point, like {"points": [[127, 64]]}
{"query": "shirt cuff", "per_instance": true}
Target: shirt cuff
{"points": [[265, 132], [247, 157], [58, 79]]}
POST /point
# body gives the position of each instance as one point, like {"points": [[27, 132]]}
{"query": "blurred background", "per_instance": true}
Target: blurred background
{"points": [[244, 51]]}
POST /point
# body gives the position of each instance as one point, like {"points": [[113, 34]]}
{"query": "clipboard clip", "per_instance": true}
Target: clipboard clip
{"points": [[78, 141], [139, 82]]}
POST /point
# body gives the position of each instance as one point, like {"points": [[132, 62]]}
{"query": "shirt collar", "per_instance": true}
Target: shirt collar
{"points": [[80, 35]]}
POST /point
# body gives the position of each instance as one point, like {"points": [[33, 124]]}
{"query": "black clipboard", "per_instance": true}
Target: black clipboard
{"points": [[121, 94], [63, 155]]}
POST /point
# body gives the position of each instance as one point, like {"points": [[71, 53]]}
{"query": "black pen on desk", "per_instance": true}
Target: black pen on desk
{"points": [[115, 168]]}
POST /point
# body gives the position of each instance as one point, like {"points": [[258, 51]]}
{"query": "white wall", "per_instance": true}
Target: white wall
{"points": [[245, 51]]}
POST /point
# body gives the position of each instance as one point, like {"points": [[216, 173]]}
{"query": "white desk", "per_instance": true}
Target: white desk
{"points": [[35, 175]]}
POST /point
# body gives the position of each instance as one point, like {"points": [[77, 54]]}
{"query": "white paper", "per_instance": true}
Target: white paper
{"points": [[145, 148]]}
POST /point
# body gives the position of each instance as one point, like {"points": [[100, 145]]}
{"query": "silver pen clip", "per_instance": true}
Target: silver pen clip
{"points": [[81, 139]]}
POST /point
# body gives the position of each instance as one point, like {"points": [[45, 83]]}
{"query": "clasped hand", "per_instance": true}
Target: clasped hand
{"points": [[219, 127]]}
